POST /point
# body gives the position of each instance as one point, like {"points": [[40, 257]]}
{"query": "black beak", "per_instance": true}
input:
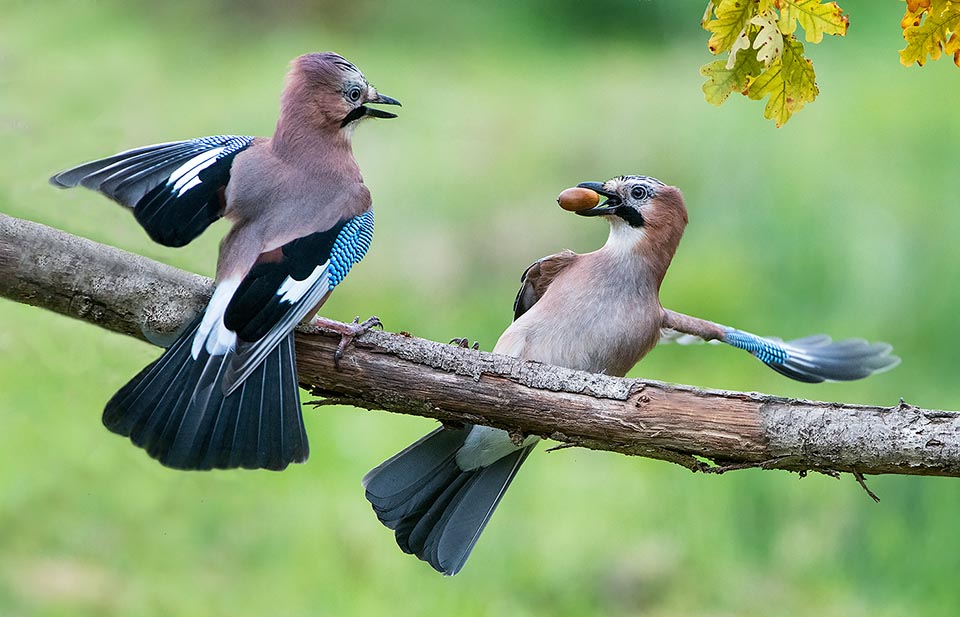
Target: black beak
{"points": [[362, 110], [382, 99], [607, 207]]}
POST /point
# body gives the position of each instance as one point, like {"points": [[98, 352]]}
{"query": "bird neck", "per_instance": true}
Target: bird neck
{"points": [[659, 252], [305, 124], [649, 250]]}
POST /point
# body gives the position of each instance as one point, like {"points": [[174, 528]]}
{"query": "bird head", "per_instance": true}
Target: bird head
{"points": [[647, 217], [334, 91], [639, 203]]}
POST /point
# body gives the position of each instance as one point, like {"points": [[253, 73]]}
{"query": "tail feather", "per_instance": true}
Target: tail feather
{"points": [[223, 428], [430, 516], [189, 422], [175, 409], [461, 525], [436, 509], [422, 465]]}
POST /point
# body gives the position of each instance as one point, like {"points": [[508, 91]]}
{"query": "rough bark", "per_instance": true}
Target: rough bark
{"points": [[400, 373]]}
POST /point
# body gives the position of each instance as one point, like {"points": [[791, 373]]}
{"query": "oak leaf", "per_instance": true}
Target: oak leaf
{"points": [[707, 15], [814, 16], [742, 42], [765, 57], [731, 17], [722, 81], [930, 30], [789, 81], [769, 40]]}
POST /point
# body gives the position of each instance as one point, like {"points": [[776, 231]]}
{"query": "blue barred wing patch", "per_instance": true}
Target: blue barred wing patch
{"points": [[351, 245], [277, 295], [763, 349], [816, 358]]}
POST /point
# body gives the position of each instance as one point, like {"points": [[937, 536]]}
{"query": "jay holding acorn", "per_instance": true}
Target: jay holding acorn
{"points": [[597, 312], [225, 393]]}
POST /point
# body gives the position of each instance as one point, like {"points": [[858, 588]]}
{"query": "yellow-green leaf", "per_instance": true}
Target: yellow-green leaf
{"points": [[722, 81], [765, 58], [731, 18], [789, 82], [914, 13], [929, 38], [953, 47], [814, 16]]}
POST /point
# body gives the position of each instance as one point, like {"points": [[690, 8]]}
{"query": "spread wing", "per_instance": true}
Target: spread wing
{"points": [[811, 359], [816, 358], [175, 188], [535, 280], [283, 289]]}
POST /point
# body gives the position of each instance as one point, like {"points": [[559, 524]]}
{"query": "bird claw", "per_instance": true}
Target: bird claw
{"points": [[348, 332], [352, 331], [464, 343]]}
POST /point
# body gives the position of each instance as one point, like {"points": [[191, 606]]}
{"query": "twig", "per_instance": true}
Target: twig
{"points": [[863, 483]]}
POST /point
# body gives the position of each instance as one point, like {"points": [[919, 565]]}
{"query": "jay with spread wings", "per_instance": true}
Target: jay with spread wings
{"points": [[225, 393], [597, 312]]}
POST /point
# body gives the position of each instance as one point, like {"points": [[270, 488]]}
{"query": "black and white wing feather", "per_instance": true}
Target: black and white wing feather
{"points": [[225, 394], [174, 188], [277, 295]]}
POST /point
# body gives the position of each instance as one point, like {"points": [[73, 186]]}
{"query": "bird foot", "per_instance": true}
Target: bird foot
{"points": [[347, 331], [464, 343]]}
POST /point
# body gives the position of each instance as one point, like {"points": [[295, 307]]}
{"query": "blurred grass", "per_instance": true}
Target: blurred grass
{"points": [[842, 222]]}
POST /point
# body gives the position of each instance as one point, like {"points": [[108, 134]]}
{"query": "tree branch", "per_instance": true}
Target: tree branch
{"points": [[403, 374]]}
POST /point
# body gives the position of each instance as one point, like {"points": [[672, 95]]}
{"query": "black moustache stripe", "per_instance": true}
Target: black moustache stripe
{"points": [[355, 114], [631, 216]]}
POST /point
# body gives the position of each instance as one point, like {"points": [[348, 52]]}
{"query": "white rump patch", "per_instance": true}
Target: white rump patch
{"points": [[212, 333], [186, 176], [485, 446]]}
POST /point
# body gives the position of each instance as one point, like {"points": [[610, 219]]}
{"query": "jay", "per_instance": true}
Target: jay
{"points": [[225, 393], [597, 312]]}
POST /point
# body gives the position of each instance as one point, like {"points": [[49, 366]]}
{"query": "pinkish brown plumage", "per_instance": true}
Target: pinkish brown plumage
{"points": [[225, 393], [597, 312]]}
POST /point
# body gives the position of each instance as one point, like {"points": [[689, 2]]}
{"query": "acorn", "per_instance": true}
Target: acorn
{"points": [[578, 198]]}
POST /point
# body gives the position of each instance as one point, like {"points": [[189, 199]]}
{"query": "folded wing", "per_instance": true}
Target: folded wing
{"points": [[278, 294]]}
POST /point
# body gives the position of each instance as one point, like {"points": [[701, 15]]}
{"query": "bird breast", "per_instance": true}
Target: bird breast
{"points": [[594, 317]]}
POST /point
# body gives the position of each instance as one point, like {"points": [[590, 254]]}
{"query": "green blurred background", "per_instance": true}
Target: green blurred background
{"points": [[843, 222]]}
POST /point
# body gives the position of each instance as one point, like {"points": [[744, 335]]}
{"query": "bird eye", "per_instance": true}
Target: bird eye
{"points": [[354, 94], [640, 192]]}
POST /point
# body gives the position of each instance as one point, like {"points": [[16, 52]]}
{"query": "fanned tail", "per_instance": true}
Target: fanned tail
{"points": [[175, 410], [437, 509]]}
